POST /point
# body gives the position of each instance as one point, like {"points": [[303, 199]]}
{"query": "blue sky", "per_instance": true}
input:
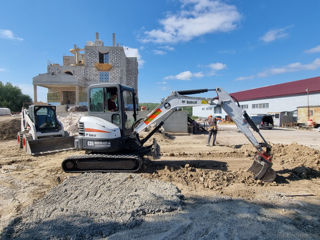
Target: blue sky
{"points": [[181, 44]]}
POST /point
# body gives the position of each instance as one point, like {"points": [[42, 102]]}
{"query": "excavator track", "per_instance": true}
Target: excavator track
{"points": [[102, 163]]}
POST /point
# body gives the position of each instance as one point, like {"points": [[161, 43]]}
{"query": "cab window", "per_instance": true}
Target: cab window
{"points": [[45, 118], [96, 100], [128, 104]]}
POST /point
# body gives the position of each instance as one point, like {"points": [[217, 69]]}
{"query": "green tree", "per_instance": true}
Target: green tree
{"points": [[11, 97]]}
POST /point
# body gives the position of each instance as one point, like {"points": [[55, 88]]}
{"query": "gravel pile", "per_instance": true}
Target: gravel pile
{"points": [[93, 206]]}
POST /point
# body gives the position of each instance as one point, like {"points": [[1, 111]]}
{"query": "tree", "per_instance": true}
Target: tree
{"points": [[11, 97]]}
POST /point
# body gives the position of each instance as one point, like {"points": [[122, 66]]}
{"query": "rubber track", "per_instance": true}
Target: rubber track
{"points": [[98, 158]]}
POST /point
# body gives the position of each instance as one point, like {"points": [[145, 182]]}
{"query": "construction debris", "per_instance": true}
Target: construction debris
{"points": [[70, 121]]}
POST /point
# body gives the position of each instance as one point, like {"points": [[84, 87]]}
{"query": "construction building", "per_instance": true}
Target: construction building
{"points": [[281, 101], [308, 113], [67, 83]]}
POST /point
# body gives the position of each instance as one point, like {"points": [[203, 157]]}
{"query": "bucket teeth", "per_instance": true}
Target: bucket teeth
{"points": [[262, 171]]}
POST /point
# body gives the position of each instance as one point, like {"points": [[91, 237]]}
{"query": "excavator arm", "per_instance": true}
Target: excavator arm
{"points": [[262, 164]]}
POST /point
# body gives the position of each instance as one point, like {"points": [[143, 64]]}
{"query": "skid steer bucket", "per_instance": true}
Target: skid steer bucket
{"points": [[262, 170], [49, 145]]}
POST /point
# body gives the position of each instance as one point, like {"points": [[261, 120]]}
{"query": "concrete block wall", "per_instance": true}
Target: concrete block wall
{"points": [[132, 72], [54, 68], [68, 60], [118, 62]]}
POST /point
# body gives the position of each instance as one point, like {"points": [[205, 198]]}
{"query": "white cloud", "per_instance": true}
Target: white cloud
{"points": [[217, 66], [186, 75], [198, 75], [159, 52], [2, 70], [134, 52], [214, 67], [195, 18], [8, 34], [167, 48], [275, 34], [292, 67], [313, 50], [162, 50]]}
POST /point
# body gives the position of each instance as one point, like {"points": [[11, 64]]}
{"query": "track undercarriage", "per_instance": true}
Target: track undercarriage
{"points": [[103, 163]]}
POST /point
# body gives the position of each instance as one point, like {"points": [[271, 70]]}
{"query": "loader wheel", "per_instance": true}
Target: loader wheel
{"points": [[19, 138], [24, 143]]}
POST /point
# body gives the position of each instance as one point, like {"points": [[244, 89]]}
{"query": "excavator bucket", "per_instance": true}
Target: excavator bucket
{"points": [[48, 145], [262, 170]]}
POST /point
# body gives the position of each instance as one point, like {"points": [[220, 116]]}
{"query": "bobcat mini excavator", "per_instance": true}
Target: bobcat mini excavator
{"points": [[110, 132]]}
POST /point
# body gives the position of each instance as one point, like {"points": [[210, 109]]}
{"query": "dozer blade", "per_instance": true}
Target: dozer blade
{"points": [[49, 145], [262, 170]]}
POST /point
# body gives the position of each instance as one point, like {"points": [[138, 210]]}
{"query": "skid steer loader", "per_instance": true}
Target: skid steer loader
{"points": [[110, 132], [41, 132]]}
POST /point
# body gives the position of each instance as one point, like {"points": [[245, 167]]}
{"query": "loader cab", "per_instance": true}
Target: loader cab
{"points": [[44, 117], [114, 103]]}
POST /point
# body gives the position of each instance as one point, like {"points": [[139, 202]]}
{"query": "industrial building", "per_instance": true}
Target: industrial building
{"points": [[282, 101], [67, 84]]}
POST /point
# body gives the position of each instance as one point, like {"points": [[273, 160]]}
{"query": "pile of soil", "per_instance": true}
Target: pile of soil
{"points": [[9, 129], [205, 178], [295, 162], [94, 206]]}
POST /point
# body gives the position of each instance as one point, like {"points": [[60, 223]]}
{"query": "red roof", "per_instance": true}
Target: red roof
{"points": [[284, 89]]}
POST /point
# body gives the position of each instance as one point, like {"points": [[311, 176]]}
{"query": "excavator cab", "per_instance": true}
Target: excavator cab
{"points": [[114, 103]]}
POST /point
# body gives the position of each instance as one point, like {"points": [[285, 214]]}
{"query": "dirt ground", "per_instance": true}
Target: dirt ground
{"points": [[199, 171]]}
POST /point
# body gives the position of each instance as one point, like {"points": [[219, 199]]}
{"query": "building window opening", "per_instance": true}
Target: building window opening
{"points": [[103, 57], [104, 76], [260, 105], [69, 73]]}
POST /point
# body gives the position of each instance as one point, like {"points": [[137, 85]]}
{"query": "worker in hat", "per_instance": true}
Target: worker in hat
{"points": [[213, 130]]}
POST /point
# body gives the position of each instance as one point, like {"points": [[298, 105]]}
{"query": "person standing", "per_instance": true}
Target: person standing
{"points": [[213, 130]]}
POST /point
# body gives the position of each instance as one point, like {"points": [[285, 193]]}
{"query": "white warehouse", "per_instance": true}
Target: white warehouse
{"points": [[277, 100]]}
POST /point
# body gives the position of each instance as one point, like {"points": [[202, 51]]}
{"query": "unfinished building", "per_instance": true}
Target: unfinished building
{"points": [[95, 63]]}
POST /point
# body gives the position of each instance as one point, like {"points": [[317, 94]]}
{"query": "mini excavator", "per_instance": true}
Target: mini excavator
{"points": [[110, 132]]}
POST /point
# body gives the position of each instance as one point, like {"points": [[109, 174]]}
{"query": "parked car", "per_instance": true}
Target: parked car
{"points": [[263, 121]]}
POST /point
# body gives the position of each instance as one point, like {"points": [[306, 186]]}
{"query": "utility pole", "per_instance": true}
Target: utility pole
{"points": [[307, 90]]}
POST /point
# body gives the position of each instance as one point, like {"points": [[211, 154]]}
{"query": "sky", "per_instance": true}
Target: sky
{"points": [[180, 44]]}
